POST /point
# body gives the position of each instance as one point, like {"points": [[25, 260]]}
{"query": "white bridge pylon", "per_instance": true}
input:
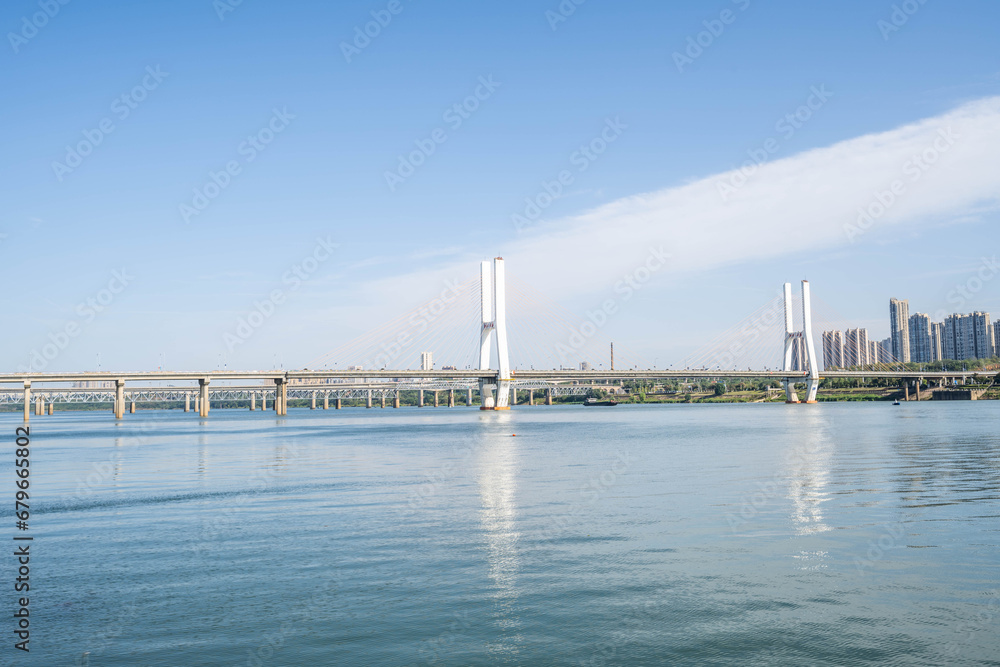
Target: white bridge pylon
{"points": [[804, 341], [494, 328]]}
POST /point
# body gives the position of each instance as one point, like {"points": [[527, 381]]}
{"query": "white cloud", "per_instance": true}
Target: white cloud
{"points": [[802, 203]]}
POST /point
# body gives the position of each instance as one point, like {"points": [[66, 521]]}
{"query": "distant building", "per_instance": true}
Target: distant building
{"points": [[968, 337], [584, 365], [426, 361], [996, 340], [856, 351], [884, 352], [937, 341], [920, 338], [833, 349], [982, 334], [899, 328]]}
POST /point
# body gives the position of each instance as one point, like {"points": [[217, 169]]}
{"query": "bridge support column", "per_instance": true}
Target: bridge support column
{"points": [[280, 397], [119, 399], [27, 400], [52, 407], [451, 398], [187, 402], [326, 401], [437, 400], [468, 397], [253, 401], [917, 387], [906, 390], [131, 407], [548, 397], [197, 405], [513, 396], [39, 402], [263, 401], [369, 400], [531, 397], [486, 401], [312, 406], [203, 399], [337, 405], [383, 399], [420, 399], [395, 400]]}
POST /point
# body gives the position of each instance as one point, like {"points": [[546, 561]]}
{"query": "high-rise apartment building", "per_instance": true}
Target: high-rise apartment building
{"points": [[968, 337], [899, 328], [426, 361], [950, 346], [884, 352], [982, 335], [920, 338], [937, 341], [833, 349], [856, 351]]}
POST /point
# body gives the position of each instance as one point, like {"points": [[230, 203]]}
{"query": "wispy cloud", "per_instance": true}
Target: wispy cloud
{"points": [[803, 203]]}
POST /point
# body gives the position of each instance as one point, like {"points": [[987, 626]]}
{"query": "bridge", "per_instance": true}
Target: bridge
{"points": [[496, 387]]}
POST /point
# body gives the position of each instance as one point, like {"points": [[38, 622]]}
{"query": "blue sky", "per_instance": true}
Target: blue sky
{"points": [[343, 125]]}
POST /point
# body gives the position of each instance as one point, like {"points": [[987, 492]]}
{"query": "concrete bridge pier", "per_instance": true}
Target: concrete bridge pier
{"points": [[420, 399], [337, 405], [119, 399], [395, 400], [187, 402], [253, 401], [203, 397], [437, 400], [513, 396], [39, 405], [27, 400], [451, 398], [312, 406], [280, 398], [548, 397], [326, 401], [197, 407], [531, 397], [52, 407], [906, 390], [383, 399], [263, 401], [917, 385], [468, 397], [131, 407], [368, 404]]}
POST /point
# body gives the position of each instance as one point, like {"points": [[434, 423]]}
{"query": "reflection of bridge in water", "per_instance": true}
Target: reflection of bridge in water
{"points": [[496, 388]]}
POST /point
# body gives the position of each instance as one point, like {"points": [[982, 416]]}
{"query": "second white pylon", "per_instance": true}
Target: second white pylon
{"points": [[494, 309], [800, 346]]}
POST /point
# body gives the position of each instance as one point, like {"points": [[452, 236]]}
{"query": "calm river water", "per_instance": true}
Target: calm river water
{"points": [[845, 534]]}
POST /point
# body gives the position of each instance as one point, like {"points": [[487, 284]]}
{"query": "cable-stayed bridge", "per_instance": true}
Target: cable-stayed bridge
{"points": [[467, 326]]}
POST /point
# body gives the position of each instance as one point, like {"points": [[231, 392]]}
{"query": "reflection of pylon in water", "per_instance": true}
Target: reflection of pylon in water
{"points": [[803, 340], [494, 309]]}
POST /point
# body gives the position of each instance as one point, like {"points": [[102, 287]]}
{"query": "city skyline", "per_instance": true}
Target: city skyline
{"points": [[914, 338]]}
